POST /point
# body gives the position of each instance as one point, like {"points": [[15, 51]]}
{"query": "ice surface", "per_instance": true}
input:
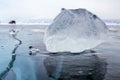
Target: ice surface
{"points": [[39, 67], [75, 30]]}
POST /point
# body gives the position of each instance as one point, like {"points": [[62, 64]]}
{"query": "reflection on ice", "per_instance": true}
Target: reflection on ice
{"points": [[78, 67]]}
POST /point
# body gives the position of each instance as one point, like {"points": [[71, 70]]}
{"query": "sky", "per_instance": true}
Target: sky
{"points": [[105, 9]]}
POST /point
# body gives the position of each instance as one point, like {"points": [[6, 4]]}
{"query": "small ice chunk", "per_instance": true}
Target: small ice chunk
{"points": [[33, 51], [13, 32]]}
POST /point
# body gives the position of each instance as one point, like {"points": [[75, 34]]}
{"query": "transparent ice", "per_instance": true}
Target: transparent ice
{"points": [[75, 30]]}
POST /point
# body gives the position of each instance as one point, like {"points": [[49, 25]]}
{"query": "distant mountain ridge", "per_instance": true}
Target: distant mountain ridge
{"points": [[112, 21], [27, 21], [49, 21]]}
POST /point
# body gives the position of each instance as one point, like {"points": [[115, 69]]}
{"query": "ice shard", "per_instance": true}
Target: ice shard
{"points": [[75, 30]]}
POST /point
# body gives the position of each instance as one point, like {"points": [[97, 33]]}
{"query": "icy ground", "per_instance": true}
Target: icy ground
{"points": [[44, 66]]}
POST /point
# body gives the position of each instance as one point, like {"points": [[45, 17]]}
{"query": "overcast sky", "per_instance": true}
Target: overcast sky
{"points": [[50, 8]]}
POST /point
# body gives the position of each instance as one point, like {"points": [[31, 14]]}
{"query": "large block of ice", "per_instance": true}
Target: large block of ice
{"points": [[74, 30]]}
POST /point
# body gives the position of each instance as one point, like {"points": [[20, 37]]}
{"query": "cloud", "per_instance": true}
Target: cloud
{"points": [[50, 8]]}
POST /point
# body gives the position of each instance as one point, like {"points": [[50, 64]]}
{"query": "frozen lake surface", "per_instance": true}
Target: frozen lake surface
{"points": [[104, 64]]}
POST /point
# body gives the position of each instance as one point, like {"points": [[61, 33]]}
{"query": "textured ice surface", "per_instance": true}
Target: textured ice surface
{"points": [[74, 30]]}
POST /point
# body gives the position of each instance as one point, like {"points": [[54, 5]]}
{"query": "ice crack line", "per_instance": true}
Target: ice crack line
{"points": [[11, 63]]}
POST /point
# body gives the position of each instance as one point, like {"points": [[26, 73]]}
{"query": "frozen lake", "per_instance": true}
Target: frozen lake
{"points": [[104, 64]]}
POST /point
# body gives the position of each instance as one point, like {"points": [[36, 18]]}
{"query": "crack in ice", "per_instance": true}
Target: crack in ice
{"points": [[11, 63]]}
